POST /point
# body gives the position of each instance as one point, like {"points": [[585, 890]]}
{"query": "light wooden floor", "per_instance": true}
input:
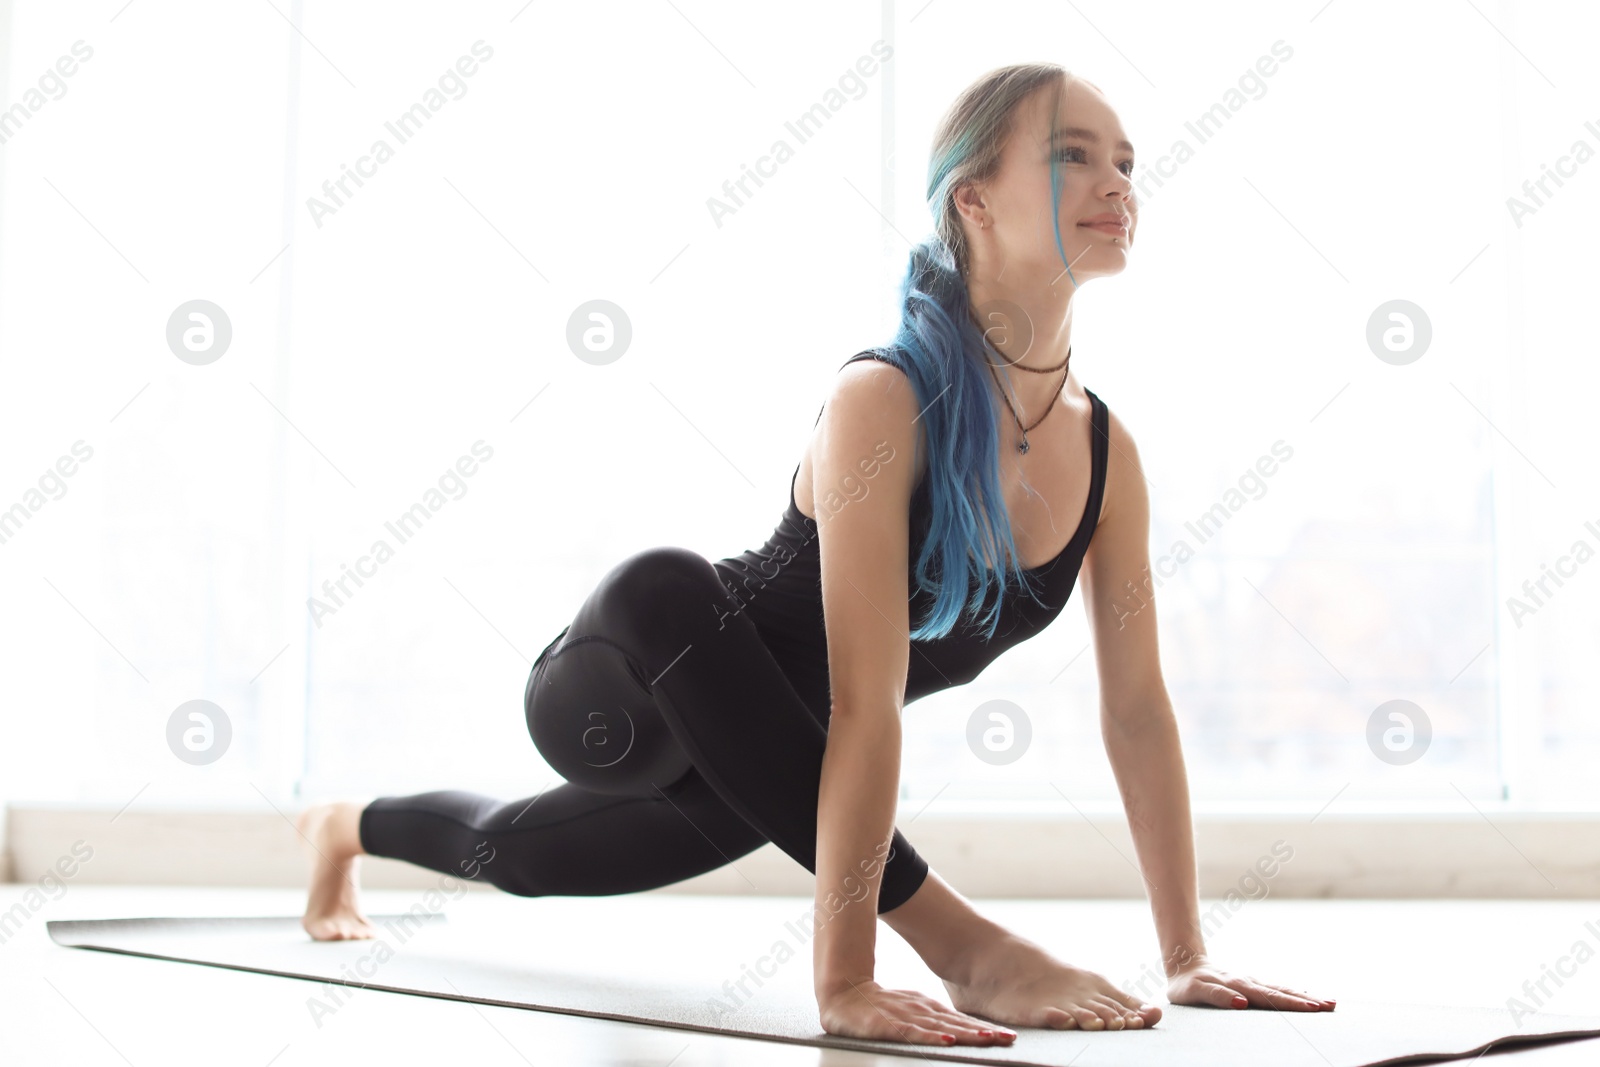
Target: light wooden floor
{"points": [[72, 1006]]}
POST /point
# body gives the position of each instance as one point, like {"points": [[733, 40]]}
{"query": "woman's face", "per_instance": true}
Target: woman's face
{"points": [[1096, 165]]}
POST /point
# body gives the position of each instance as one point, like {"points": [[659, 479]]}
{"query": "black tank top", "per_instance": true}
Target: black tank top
{"points": [[779, 586]]}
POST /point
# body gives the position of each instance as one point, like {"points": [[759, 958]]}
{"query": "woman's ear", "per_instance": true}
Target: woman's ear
{"points": [[968, 197]]}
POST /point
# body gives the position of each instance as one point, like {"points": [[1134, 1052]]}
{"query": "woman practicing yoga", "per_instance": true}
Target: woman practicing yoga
{"points": [[700, 709]]}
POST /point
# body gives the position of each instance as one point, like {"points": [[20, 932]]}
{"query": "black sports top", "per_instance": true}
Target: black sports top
{"points": [[780, 586]]}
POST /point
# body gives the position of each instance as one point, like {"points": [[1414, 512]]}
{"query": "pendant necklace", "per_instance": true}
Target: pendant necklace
{"points": [[1023, 446]]}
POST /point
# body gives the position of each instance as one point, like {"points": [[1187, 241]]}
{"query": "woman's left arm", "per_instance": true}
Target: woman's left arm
{"points": [[1141, 738]]}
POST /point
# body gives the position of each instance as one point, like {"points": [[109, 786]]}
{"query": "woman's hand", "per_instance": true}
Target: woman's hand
{"points": [[1203, 984], [865, 1009]]}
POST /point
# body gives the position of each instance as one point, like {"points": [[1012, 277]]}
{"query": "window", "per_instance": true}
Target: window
{"points": [[399, 372]]}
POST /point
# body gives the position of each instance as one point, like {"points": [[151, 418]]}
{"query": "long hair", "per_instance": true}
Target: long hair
{"points": [[940, 348]]}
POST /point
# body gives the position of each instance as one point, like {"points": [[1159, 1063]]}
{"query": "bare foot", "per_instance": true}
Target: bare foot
{"points": [[1016, 982], [332, 909]]}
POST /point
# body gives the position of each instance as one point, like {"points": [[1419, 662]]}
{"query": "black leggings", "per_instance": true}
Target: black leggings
{"points": [[683, 744]]}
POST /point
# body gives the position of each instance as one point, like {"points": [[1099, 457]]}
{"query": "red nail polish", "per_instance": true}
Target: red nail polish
{"points": [[1240, 1002], [947, 1037]]}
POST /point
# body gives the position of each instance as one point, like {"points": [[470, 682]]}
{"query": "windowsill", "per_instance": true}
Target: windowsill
{"points": [[1265, 810], [1050, 852]]}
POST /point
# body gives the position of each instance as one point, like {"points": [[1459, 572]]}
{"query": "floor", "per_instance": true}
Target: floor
{"points": [[79, 1007]]}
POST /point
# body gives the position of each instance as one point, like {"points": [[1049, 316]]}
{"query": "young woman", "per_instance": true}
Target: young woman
{"points": [[700, 709]]}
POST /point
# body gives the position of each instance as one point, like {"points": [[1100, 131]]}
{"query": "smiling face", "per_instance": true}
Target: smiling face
{"points": [[1096, 166]]}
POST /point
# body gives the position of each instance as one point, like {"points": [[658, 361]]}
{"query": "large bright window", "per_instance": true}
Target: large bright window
{"points": [[354, 529]]}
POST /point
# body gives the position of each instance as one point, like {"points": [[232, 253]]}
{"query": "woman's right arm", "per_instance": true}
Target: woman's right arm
{"points": [[863, 474]]}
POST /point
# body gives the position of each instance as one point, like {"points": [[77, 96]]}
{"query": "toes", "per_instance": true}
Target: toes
{"points": [[1098, 1013], [1059, 1019], [1073, 1018], [339, 929], [1088, 1018], [1110, 1012], [1135, 1012]]}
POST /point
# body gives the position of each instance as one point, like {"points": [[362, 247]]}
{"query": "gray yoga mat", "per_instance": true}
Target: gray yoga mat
{"points": [[585, 973]]}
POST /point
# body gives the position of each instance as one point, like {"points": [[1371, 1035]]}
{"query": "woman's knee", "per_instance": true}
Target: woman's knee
{"points": [[593, 719], [663, 575], [650, 598], [590, 702]]}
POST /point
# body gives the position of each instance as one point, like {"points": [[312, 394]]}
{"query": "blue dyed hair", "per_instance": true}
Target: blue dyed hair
{"points": [[941, 349]]}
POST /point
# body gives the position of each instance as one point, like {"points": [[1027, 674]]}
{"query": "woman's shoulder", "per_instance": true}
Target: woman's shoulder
{"points": [[879, 355], [877, 390], [873, 417]]}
